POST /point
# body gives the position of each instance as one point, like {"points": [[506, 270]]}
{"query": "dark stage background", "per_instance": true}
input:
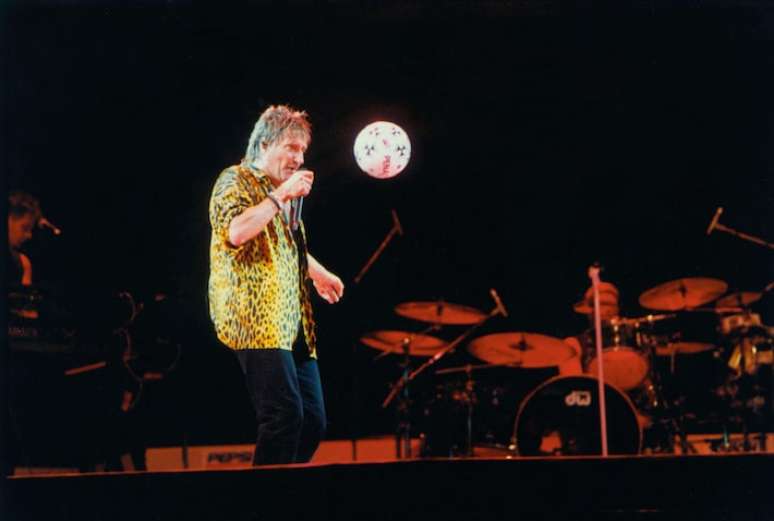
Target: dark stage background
{"points": [[545, 136]]}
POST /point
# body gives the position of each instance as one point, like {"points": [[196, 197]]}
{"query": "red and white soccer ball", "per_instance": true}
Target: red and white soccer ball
{"points": [[382, 149]]}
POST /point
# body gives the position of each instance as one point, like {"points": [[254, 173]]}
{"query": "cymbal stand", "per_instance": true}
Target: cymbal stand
{"points": [[673, 419], [469, 398], [403, 432], [401, 386]]}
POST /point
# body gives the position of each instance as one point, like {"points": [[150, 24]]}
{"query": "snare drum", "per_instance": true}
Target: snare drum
{"points": [[625, 354], [561, 417]]}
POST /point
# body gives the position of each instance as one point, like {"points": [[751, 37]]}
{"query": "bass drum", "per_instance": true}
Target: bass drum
{"points": [[561, 417]]}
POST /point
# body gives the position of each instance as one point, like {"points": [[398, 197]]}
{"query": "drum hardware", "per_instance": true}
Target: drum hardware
{"points": [[675, 346], [407, 344], [742, 325], [693, 331], [682, 294], [715, 225], [468, 396], [664, 411], [751, 344], [396, 229], [445, 313], [647, 319], [749, 348]]}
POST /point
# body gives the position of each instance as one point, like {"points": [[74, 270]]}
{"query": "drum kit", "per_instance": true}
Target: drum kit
{"points": [[692, 317]]}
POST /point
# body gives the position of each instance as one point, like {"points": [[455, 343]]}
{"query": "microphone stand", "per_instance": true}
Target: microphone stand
{"points": [[396, 229], [402, 385], [715, 225], [594, 276]]}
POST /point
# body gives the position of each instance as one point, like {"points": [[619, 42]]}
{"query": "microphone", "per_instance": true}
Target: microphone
{"points": [[45, 223], [396, 222], [499, 303], [295, 209], [295, 212], [714, 221]]}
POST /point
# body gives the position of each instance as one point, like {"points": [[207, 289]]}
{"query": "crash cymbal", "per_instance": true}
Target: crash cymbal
{"points": [[391, 341], [440, 312], [529, 350], [682, 294], [739, 299], [683, 348]]}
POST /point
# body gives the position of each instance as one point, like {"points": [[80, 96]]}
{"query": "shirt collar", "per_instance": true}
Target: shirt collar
{"points": [[259, 174]]}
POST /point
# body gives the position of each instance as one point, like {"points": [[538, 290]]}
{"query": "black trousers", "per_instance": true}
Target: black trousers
{"points": [[287, 395]]}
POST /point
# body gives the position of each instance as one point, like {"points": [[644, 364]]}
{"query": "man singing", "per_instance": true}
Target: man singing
{"points": [[259, 298]]}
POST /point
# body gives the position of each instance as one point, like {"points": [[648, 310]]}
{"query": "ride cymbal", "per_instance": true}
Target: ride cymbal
{"points": [[682, 294], [530, 350]]}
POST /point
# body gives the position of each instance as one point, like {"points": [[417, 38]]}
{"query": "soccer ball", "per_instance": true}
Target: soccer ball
{"points": [[382, 149]]}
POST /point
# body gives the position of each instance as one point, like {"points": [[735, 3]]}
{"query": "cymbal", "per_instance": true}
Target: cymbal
{"points": [[741, 298], [391, 341], [683, 348], [440, 312], [470, 367], [683, 294], [530, 350]]}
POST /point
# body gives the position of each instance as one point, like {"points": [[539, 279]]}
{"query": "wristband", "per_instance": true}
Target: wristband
{"points": [[274, 200]]}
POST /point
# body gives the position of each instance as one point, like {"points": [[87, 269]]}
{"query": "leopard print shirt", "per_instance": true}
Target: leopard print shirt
{"points": [[256, 295]]}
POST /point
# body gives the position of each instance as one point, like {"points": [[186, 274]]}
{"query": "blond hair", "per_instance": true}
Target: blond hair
{"points": [[275, 123]]}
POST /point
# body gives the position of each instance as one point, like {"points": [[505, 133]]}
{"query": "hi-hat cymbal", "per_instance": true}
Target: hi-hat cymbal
{"points": [[683, 348], [440, 312], [392, 341], [469, 368], [682, 294], [530, 350], [739, 299]]}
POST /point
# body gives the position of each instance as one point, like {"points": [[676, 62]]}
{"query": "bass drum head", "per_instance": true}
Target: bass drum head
{"points": [[561, 417]]}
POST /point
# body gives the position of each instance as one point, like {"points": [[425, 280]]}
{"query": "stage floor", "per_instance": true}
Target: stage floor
{"points": [[732, 486]]}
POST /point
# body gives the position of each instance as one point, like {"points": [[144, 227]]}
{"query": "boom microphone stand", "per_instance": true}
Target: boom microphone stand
{"points": [[715, 225], [396, 229], [594, 276]]}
